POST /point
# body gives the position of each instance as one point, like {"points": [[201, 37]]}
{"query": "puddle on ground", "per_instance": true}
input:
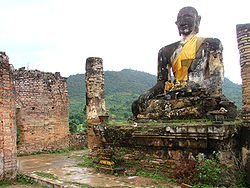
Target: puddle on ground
{"points": [[65, 167]]}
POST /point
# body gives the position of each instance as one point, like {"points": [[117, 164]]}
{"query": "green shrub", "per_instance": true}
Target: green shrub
{"points": [[210, 172], [207, 172]]}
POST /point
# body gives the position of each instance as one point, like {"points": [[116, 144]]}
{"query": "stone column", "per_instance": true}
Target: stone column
{"points": [[243, 36], [8, 158], [95, 103]]}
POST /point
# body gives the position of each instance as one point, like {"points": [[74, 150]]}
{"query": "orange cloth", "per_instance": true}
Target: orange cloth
{"points": [[184, 59]]}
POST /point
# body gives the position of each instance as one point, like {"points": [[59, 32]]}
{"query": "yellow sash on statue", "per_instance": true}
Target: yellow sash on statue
{"points": [[184, 59]]}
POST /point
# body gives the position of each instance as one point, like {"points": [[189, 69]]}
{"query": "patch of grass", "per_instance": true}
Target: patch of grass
{"points": [[77, 156], [66, 150], [20, 180], [210, 186], [88, 161], [77, 184], [154, 176], [46, 175], [169, 123]]}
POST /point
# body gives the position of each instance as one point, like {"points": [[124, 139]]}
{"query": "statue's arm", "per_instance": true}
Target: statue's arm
{"points": [[140, 104], [208, 67], [162, 77], [213, 53], [163, 73], [164, 62], [163, 66]]}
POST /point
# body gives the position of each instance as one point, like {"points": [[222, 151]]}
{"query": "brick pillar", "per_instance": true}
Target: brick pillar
{"points": [[8, 158], [243, 36], [95, 103]]}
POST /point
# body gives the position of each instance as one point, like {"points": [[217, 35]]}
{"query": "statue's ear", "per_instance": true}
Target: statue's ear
{"points": [[197, 24], [176, 22], [198, 20]]}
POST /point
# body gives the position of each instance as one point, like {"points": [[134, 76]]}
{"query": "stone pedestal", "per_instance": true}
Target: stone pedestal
{"points": [[8, 158], [95, 103], [194, 104], [174, 139]]}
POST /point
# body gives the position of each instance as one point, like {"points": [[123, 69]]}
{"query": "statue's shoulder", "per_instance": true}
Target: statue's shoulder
{"points": [[169, 49], [212, 43], [171, 46]]}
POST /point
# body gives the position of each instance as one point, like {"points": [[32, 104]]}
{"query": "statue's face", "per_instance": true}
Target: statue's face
{"points": [[187, 21]]}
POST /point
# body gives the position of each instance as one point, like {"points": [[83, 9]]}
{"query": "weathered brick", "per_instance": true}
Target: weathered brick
{"points": [[8, 161], [42, 115], [243, 38]]}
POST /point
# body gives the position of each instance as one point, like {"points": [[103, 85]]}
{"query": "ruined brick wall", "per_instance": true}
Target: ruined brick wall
{"points": [[8, 160], [95, 103], [77, 140], [42, 111]]}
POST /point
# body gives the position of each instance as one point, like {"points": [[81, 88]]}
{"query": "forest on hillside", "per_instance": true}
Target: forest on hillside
{"points": [[121, 89]]}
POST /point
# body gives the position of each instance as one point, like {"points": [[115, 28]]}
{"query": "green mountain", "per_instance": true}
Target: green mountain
{"points": [[122, 88], [233, 92]]}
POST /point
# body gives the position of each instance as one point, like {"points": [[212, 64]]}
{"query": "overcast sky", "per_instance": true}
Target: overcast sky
{"points": [[58, 35]]}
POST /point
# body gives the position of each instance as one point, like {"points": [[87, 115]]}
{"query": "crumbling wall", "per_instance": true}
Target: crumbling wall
{"points": [[77, 140], [8, 160], [42, 111]]}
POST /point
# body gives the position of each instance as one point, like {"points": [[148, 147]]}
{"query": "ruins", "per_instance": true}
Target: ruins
{"points": [[42, 110], [95, 103], [189, 115], [181, 117], [243, 36], [33, 105], [8, 151]]}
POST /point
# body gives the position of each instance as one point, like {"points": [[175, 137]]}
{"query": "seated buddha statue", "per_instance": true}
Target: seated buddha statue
{"points": [[187, 69]]}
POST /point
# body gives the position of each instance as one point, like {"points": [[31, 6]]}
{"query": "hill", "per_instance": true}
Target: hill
{"points": [[122, 88], [233, 92]]}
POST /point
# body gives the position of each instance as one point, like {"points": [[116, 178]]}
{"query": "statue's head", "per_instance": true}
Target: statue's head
{"points": [[188, 21]]}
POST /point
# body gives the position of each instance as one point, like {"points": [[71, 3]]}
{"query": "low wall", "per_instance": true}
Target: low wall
{"points": [[77, 140], [54, 145], [72, 141]]}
